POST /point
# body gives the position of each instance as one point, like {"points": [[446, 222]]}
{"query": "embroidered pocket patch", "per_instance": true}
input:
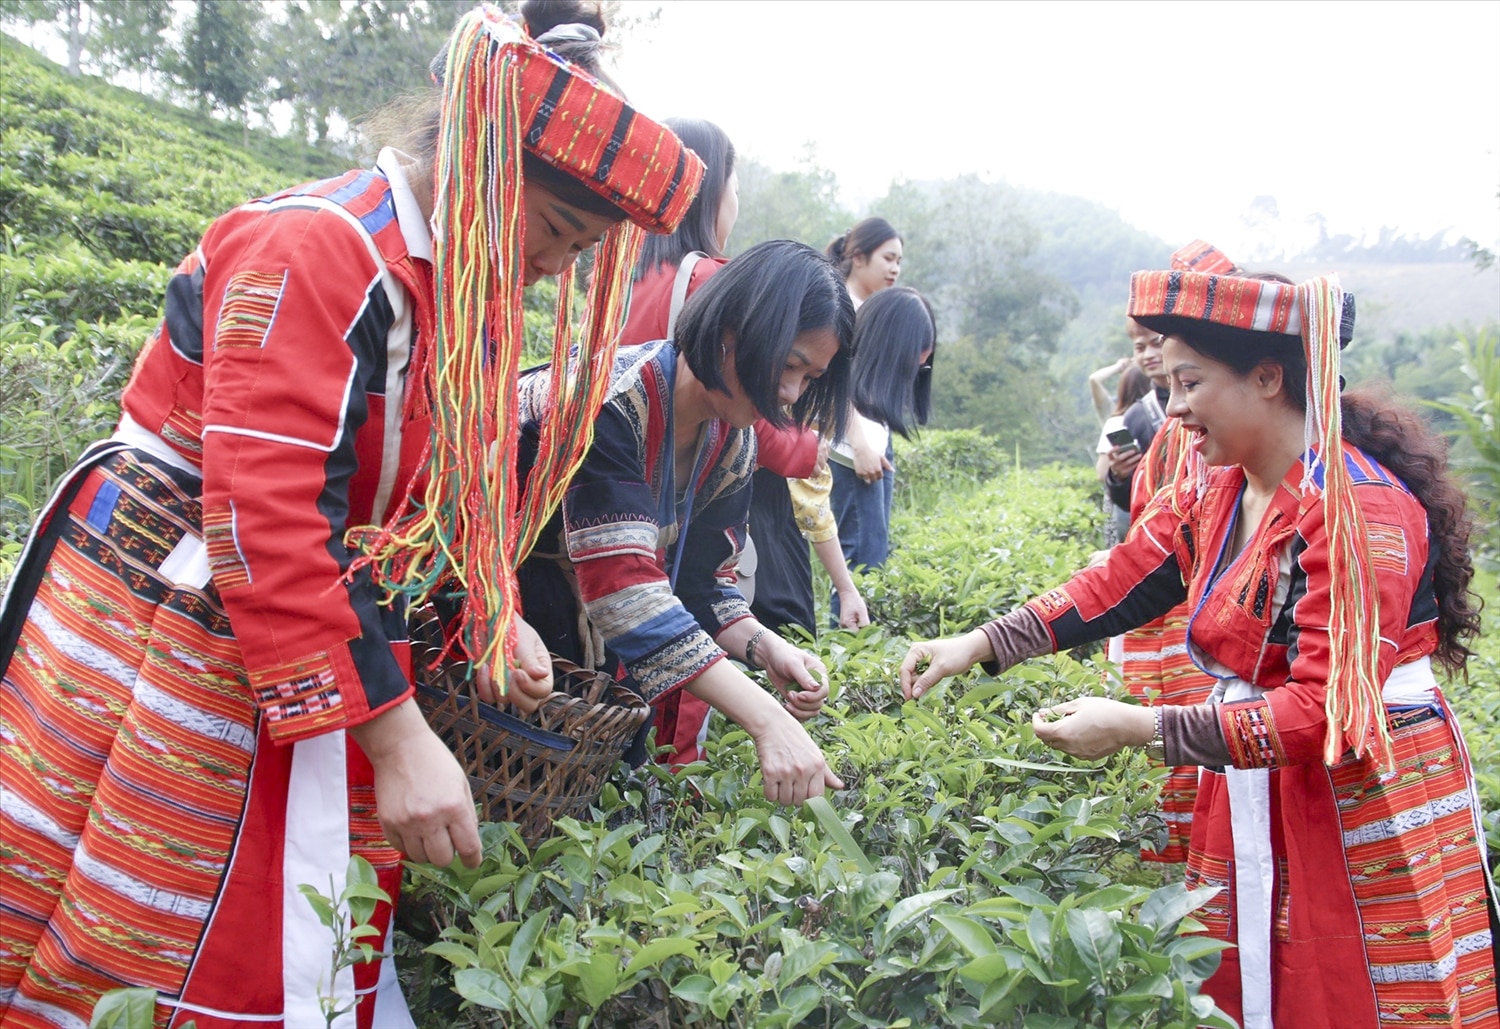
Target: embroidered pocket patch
{"points": [[1387, 547], [1054, 601], [249, 309]]}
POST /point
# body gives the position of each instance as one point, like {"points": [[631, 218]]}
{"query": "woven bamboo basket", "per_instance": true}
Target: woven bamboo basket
{"points": [[535, 769]]}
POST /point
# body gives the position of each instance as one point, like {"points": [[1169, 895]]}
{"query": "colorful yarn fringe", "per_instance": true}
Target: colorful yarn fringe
{"points": [[1172, 465], [1356, 711], [468, 530]]}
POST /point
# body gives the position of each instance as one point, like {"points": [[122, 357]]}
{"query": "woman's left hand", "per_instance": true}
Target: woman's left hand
{"points": [[799, 676], [1093, 727]]}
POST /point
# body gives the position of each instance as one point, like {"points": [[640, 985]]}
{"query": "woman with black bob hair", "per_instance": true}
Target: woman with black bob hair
{"points": [[635, 574], [894, 341]]}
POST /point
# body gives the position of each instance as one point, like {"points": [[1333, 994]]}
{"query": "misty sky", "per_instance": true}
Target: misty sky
{"points": [[1175, 114]]}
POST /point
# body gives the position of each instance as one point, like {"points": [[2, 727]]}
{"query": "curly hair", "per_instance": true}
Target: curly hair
{"points": [[1401, 440]]}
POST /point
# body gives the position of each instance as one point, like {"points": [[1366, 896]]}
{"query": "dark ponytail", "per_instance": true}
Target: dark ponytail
{"points": [[1401, 440], [861, 241]]}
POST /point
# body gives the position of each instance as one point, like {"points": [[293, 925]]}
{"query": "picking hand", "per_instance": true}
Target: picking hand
{"points": [[421, 793], [853, 612], [792, 767], [942, 658], [530, 678], [798, 676], [1093, 727]]}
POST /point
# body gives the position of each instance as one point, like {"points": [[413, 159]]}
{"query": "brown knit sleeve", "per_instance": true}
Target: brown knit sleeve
{"points": [[1014, 638], [1192, 735]]}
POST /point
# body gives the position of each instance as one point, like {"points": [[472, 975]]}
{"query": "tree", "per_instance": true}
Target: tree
{"points": [[801, 205], [132, 36], [344, 61], [69, 12], [219, 57], [975, 254]]}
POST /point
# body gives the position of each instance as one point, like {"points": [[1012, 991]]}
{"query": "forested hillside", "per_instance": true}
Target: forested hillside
{"points": [[102, 192]]}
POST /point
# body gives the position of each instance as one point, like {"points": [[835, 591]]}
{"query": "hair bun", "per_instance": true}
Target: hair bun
{"points": [[544, 17], [573, 32]]}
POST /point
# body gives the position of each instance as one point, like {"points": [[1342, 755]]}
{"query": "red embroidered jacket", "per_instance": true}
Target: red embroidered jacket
{"points": [[1236, 620], [278, 371]]}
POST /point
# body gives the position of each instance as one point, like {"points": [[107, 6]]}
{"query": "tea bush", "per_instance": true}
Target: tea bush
{"points": [[130, 178], [945, 461], [964, 877], [967, 876], [975, 552], [102, 192]]}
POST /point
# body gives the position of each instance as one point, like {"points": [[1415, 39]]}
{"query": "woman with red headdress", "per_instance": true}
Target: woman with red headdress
{"points": [[207, 695], [1336, 810]]}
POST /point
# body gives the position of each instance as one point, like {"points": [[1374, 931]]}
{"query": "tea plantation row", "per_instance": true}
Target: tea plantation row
{"points": [[967, 876]]}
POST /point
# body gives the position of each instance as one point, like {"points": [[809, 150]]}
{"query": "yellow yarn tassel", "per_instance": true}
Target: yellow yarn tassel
{"points": [[1354, 705]]}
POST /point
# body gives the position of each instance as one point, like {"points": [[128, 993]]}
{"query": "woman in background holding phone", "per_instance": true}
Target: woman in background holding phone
{"points": [[1116, 436]]}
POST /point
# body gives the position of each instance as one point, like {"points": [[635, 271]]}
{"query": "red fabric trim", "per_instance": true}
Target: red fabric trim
{"points": [[791, 453], [238, 963]]}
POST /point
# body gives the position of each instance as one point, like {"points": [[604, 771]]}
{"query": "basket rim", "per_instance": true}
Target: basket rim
{"points": [[505, 720]]}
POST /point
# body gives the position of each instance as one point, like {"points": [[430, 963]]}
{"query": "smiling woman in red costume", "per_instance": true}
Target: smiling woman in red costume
{"points": [[207, 696], [1336, 806]]}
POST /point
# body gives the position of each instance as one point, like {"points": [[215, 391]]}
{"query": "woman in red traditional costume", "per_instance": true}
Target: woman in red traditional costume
{"points": [[207, 694], [1336, 808], [1155, 665]]}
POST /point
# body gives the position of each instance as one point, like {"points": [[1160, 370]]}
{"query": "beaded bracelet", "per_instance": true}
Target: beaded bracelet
{"points": [[750, 649]]}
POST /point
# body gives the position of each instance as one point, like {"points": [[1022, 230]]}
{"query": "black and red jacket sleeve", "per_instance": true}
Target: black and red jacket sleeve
{"points": [[295, 315]]}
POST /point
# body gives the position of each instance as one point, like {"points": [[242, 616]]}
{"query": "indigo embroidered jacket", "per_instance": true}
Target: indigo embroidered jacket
{"points": [[622, 529], [1176, 551]]}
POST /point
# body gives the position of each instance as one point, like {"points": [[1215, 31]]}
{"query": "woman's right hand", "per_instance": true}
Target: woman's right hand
{"points": [[792, 768], [870, 464], [422, 796], [1122, 462], [942, 659], [853, 612]]}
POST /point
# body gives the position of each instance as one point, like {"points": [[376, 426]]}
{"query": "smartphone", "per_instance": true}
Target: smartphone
{"points": [[1121, 438]]}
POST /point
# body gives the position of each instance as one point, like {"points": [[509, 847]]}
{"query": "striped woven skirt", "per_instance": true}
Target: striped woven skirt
{"points": [[150, 835], [1157, 669], [1355, 897]]}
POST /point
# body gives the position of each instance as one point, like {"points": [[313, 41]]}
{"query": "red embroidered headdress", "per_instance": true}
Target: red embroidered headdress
{"points": [[468, 528], [1199, 256], [1239, 312]]}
